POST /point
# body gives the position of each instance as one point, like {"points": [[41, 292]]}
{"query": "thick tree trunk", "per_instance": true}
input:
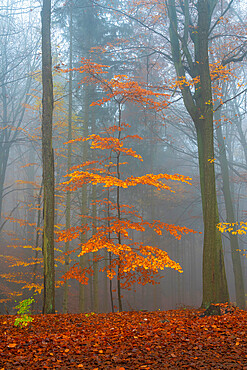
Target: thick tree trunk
{"points": [[199, 106], [48, 162], [214, 277]]}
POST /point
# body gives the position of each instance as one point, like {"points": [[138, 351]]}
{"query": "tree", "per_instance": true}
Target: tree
{"points": [[133, 261], [48, 162], [68, 194], [230, 214], [200, 108], [192, 26], [188, 35], [17, 66]]}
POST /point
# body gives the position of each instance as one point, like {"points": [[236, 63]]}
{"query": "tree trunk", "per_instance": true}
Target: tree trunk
{"points": [[48, 162], [214, 278], [95, 263], [36, 245], [84, 196], [68, 194], [230, 217], [199, 106], [4, 148]]}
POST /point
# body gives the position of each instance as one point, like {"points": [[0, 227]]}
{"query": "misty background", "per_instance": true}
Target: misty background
{"points": [[169, 145]]}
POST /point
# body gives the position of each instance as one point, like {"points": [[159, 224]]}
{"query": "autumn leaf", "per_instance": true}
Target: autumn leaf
{"points": [[160, 335], [12, 345]]}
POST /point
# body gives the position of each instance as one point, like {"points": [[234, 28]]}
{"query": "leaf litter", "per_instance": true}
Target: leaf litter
{"points": [[174, 339]]}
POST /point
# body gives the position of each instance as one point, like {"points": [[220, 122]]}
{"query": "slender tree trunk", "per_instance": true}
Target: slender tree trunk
{"points": [[68, 194], [109, 254], [48, 162], [95, 263], [30, 229], [4, 147], [230, 217], [105, 282], [84, 196], [36, 245], [120, 305], [238, 122]]}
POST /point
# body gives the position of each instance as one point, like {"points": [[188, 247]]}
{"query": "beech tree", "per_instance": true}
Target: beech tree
{"points": [[200, 107], [192, 29], [134, 261], [199, 104]]}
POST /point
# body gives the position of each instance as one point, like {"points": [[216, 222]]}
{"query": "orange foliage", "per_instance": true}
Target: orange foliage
{"points": [[134, 261], [120, 88]]}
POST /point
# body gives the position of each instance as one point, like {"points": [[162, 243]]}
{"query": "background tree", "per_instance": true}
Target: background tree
{"points": [[18, 63]]}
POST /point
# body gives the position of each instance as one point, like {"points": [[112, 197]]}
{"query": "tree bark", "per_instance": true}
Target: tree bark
{"points": [[199, 106], [214, 278], [68, 194], [48, 162], [84, 198], [230, 216]]}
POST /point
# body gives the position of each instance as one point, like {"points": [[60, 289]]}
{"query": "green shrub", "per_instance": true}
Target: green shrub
{"points": [[24, 312]]}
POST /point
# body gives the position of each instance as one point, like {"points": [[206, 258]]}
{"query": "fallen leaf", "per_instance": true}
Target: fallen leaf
{"points": [[12, 345]]}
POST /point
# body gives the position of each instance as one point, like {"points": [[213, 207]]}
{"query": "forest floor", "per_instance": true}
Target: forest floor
{"points": [[175, 339]]}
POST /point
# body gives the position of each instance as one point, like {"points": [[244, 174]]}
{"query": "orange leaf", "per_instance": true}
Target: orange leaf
{"points": [[12, 345]]}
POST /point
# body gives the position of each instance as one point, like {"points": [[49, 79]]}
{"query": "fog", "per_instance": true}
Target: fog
{"points": [[99, 51]]}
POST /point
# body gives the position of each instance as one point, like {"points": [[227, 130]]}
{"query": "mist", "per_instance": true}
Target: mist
{"points": [[130, 181]]}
